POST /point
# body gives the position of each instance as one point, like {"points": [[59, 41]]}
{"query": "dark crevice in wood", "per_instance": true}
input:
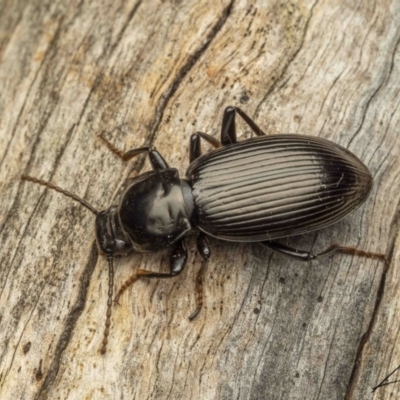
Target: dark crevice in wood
{"points": [[13, 134], [131, 14], [289, 62], [171, 90], [16, 204], [381, 84], [92, 90], [19, 11], [288, 363], [393, 235], [326, 364], [17, 200], [70, 323], [185, 69], [176, 363], [17, 346]]}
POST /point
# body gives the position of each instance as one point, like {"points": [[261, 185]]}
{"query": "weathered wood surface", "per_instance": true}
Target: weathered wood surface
{"points": [[153, 72]]}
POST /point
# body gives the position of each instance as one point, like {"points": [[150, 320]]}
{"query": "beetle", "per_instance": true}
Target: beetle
{"points": [[257, 190]]}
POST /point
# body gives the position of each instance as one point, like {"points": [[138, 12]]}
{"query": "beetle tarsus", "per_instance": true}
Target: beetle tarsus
{"points": [[352, 250], [126, 284], [194, 314], [123, 155], [111, 147], [156, 159], [334, 248]]}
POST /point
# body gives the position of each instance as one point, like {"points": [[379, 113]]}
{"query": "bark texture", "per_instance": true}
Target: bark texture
{"points": [[151, 73]]}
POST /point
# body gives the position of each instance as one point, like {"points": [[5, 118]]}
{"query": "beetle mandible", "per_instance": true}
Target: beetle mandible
{"points": [[257, 190]]}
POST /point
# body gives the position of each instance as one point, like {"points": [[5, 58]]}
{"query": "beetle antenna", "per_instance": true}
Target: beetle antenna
{"points": [[58, 189], [109, 304]]}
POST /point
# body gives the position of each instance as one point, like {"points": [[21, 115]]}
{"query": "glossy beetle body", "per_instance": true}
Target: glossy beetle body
{"points": [[256, 190], [276, 186]]}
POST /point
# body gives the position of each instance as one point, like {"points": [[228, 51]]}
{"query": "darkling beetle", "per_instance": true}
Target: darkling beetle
{"points": [[256, 190]]}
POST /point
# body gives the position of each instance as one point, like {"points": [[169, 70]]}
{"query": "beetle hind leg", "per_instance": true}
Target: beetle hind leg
{"points": [[334, 248]]}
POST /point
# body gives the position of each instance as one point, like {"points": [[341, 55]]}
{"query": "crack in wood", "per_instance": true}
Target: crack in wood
{"points": [[70, 323], [288, 63], [185, 69], [393, 235]]}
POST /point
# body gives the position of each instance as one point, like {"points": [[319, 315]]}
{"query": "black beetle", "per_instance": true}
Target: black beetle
{"points": [[257, 190]]}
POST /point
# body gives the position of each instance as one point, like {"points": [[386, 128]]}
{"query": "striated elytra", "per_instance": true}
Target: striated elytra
{"points": [[257, 190], [276, 186]]}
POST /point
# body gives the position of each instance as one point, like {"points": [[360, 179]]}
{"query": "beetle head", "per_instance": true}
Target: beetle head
{"points": [[111, 239]]}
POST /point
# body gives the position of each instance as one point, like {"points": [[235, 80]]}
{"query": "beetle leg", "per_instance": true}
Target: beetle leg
{"points": [[228, 132], [204, 250], [228, 129], [334, 248], [195, 144], [178, 261], [156, 159]]}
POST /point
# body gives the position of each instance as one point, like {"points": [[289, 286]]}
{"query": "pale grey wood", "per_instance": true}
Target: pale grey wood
{"points": [[153, 73]]}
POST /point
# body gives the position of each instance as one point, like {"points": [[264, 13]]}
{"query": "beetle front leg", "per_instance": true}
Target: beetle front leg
{"points": [[156, 159], [334, 248], [178, 262], [205, 252], [228, 128]]}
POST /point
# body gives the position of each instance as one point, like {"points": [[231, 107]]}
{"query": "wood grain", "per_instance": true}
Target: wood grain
{"points": [[151, 73]]}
